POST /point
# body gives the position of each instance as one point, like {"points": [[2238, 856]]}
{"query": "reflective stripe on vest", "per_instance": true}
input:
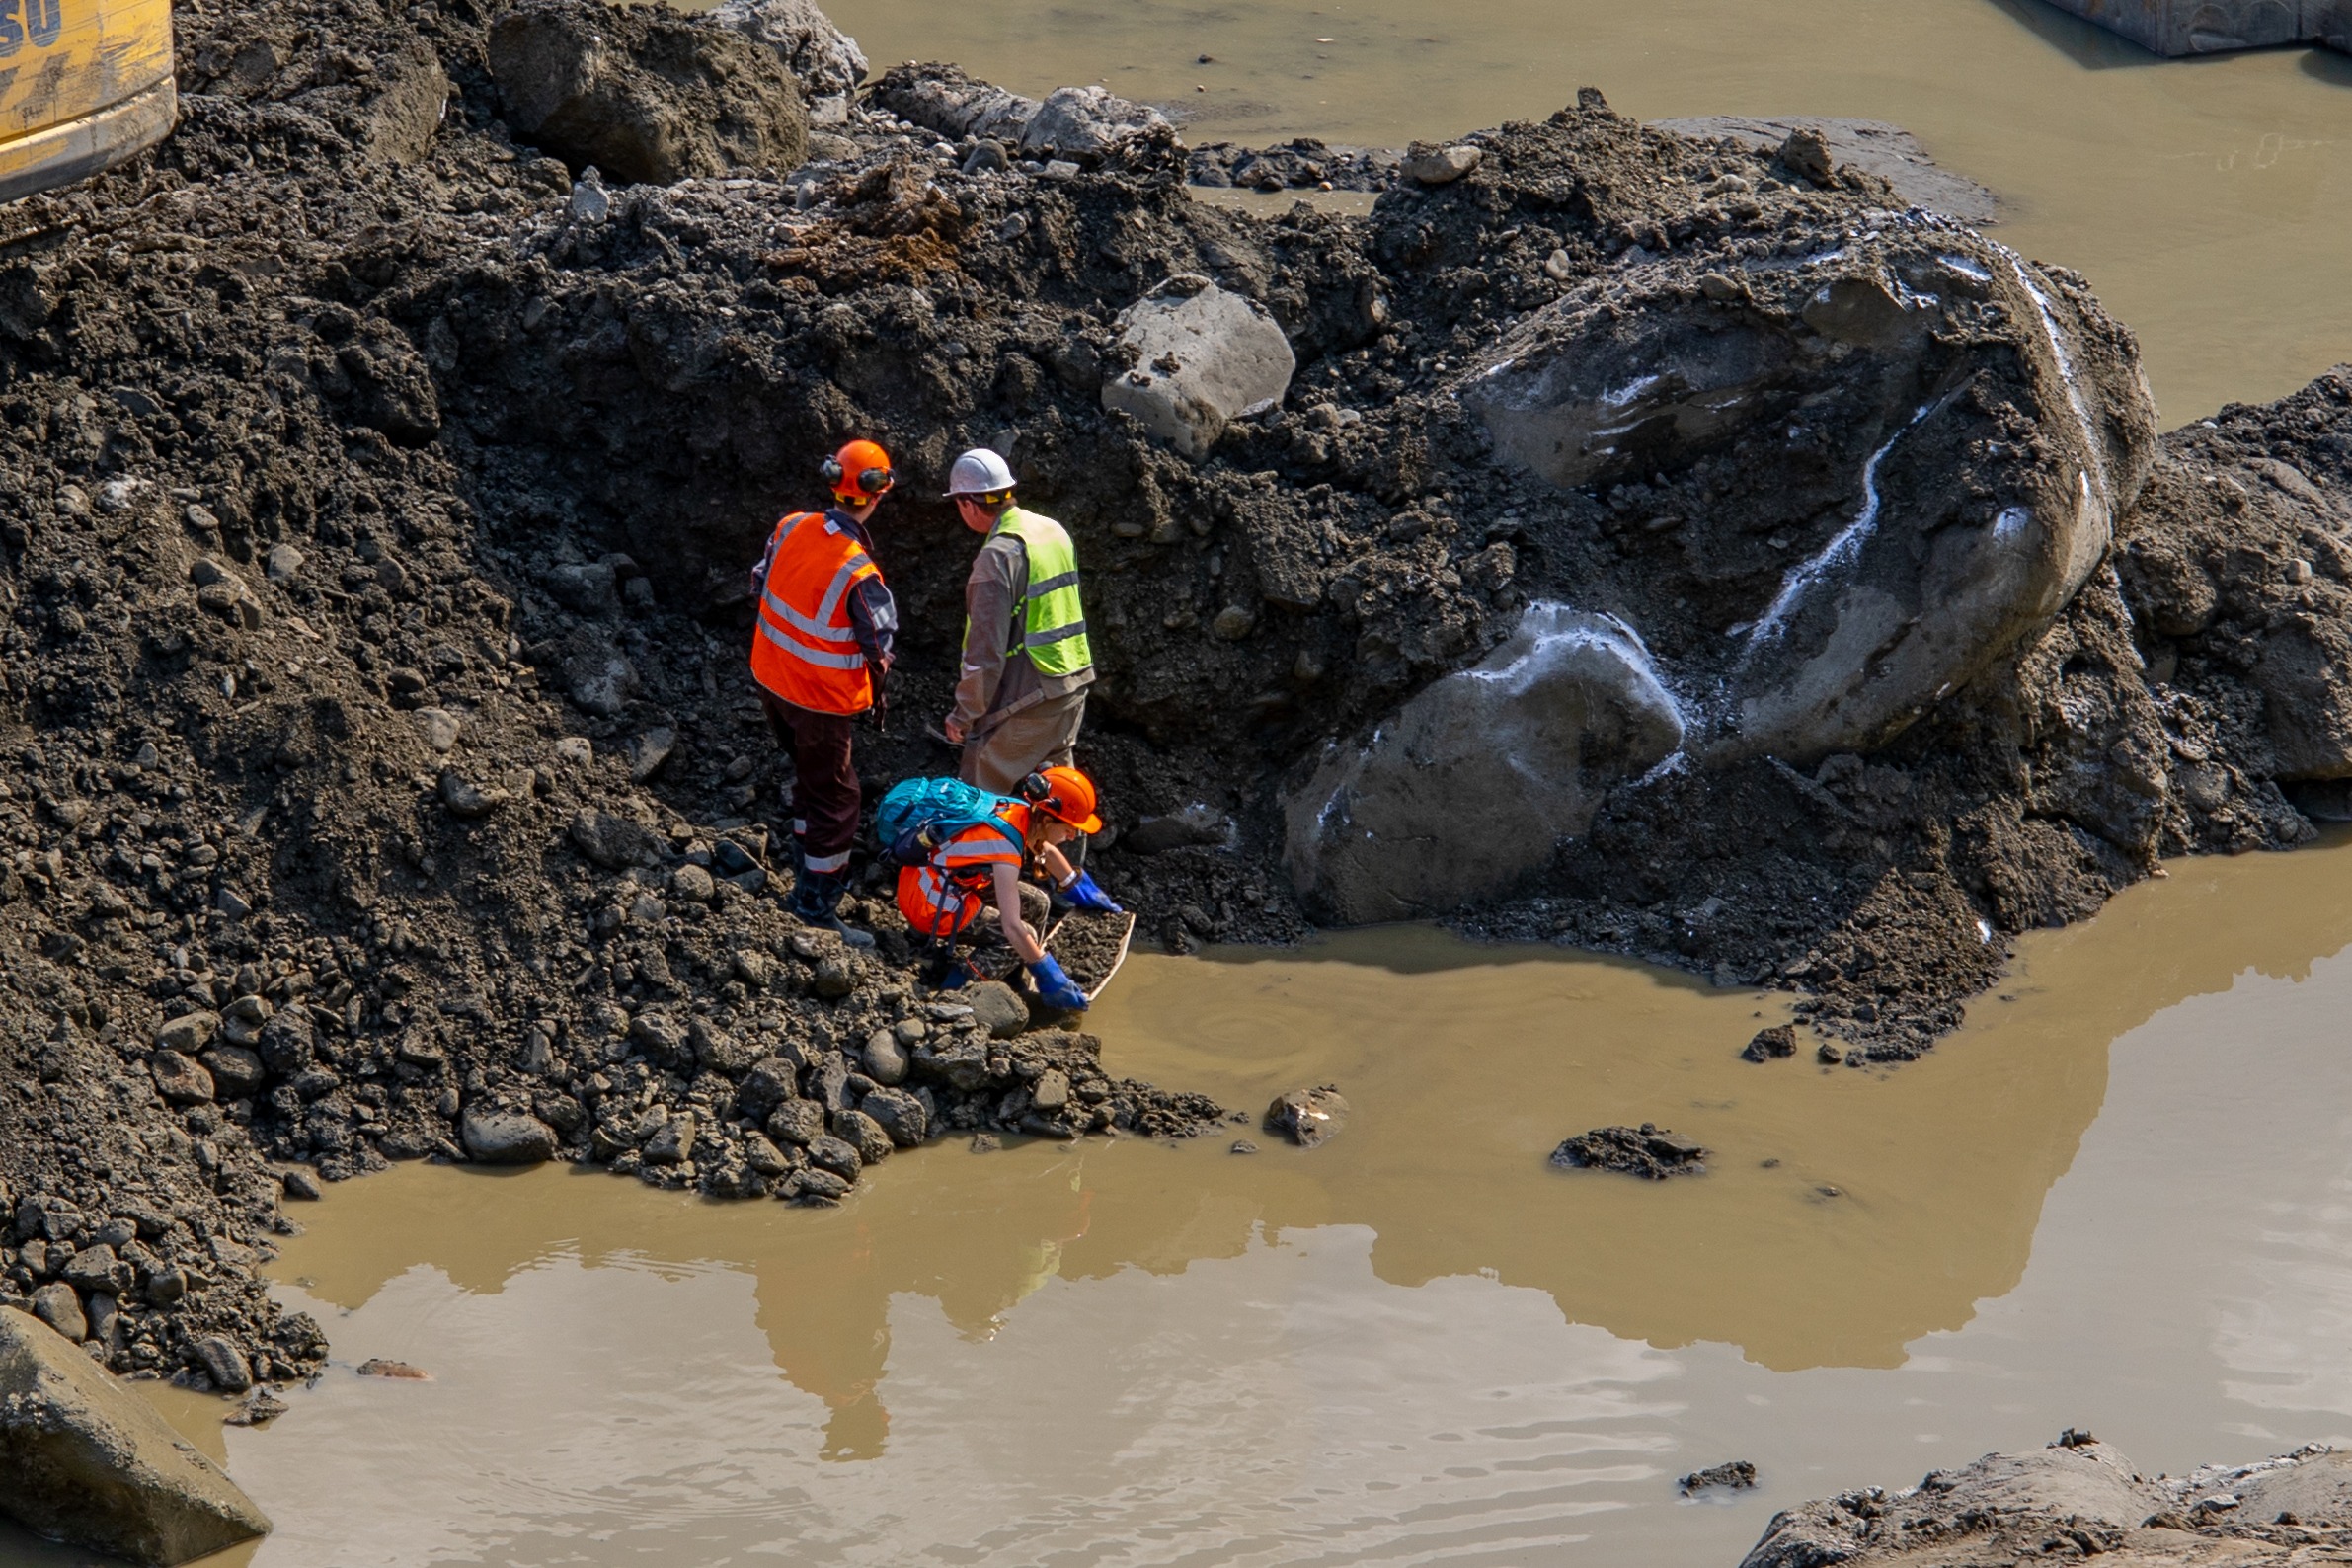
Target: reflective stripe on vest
{"points": [[1051, 620], [811, 657]]}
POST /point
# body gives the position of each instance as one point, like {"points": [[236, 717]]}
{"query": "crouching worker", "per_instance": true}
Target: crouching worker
{"points": [[960, 847]]}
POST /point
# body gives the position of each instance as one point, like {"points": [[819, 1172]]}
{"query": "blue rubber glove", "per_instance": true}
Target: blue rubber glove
{"points": [[1084, 892], [1057, 987]]}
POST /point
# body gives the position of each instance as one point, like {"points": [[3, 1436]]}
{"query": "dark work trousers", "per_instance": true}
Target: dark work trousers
{"points": [[825, 795]]}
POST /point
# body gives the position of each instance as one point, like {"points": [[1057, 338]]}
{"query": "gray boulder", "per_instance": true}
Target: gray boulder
{"points": [[942, 99], [508, 1137], [1933, 540], [825, 60], [645, 95], [612, 841], [1086, 122], [84, 1460], [1475, 780], [1199, 358]]}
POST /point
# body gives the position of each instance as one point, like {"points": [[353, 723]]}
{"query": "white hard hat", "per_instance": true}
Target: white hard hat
{"points": [[979, 472]]}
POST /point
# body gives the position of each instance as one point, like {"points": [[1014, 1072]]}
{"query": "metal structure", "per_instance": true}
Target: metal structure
{"points": [[84, 84]]}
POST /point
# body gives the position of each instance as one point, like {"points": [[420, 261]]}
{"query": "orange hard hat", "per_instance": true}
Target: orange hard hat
{"points": [[1067, 794], [860, 471]]}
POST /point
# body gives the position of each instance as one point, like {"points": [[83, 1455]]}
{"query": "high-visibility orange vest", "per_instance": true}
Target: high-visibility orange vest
{"points": [[805, 651]]}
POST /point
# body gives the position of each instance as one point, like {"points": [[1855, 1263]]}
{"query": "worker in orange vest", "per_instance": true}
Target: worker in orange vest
{"points": [[820, 654]]}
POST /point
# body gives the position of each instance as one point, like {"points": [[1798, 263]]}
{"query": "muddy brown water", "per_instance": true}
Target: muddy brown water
{"points": [[2208, 201], [2117, 1199]]}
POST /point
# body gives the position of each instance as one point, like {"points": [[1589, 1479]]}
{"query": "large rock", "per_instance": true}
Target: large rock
{"points": [[1910, 451], [1471, 785], [643, 94], [827, 61], [1200, 357], [83, 1459]]}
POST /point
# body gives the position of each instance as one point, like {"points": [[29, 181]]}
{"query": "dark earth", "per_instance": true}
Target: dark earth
{"points": [[378, 511]]}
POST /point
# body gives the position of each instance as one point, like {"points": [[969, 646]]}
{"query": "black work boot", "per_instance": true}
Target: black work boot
{"points": [[816, 901]]}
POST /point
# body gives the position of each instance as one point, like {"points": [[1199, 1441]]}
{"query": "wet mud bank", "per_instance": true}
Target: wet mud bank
{"points": [[1663, 545]]}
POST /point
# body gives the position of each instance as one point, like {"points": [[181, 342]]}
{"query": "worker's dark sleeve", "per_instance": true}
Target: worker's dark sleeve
{"points": [[767, 558], [873, 619]]}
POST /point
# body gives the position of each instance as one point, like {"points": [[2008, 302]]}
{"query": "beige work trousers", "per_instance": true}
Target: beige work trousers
{"points": [[1041, 736]]}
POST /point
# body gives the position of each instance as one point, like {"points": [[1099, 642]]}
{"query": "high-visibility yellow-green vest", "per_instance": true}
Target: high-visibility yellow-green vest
{"points": [[1050, 627]]}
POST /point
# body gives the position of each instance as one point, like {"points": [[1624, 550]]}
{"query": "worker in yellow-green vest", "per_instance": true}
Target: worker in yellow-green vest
{"points": [[1021, 689]]}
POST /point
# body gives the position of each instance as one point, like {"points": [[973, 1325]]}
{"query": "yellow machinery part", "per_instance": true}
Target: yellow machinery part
{"points": [[84, 84]]}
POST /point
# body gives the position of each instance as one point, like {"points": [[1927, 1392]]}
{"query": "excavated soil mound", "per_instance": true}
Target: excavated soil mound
{"points": [[378, 502]]}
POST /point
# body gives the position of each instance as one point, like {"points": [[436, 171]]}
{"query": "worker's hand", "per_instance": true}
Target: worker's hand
{"points": [[1057, 988], [953, 728], [1084, 892]]}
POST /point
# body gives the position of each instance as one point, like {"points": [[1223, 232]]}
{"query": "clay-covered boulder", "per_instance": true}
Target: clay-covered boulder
{"points": [[1086, 122], [945, 98], [1905, 454], [646, 96], [825, 60], [1197, 359], [1471, 786], [85, 1460]]}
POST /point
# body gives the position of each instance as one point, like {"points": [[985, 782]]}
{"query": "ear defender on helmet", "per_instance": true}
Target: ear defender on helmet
{"points": [[1035, 789], [873, 475]]}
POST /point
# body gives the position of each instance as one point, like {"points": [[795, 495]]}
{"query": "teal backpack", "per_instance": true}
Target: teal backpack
{"points": [[915, 815]]}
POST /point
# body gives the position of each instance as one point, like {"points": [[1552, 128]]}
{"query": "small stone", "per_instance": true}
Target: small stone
{"points": [[188, 1033], [1829, 1055], [1308, 1117], [649, 751], [985, 1142], [1806, 153], [180, 1079], [998, 1009], [1559, 267], [508, 1137], [1738, 1475], [1051, 1093], [258, 1409], [282, 561], [466, 800], [796, 1122], [863, 1134], [57, 1305], [590, 201], [300, 1185], [835, 1154], [1242, 1145], [438, 728], [763, 1156], [1722, 290], [398, 1371], [574, 750], [899, 1114], [1771, 1044], [1058, 169], [223, 1362], [1233, 623], [692, 883], [1433, 165], [236, 1071], [816, 1187], [673, 1143], [886, 1059]]}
